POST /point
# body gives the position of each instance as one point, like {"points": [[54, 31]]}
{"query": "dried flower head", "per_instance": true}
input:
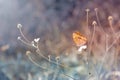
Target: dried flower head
{"points": [[96, 9], [37, 40], [94, 23], [19, 26], [110, 18], [87, 10], [18, 37], [28, 52]]}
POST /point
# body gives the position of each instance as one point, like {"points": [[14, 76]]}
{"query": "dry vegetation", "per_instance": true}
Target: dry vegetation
{"points": [[55, 56]]}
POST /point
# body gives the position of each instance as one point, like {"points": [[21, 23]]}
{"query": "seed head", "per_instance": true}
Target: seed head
{"points": [[37, 39], [18, 37], [19, 26], [33, 44], [28, 52], [94, 23], [110, 18], [96, 9], [87, 10]]}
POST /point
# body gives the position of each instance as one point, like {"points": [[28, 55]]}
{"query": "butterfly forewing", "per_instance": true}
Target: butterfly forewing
{"points": [[79, 39]]}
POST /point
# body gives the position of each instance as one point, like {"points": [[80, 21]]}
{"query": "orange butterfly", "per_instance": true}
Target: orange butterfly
{"points": [[79, 39]]}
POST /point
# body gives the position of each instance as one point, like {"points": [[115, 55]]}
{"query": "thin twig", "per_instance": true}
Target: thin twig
{"points": [[98, 20], [104, 57], [32, 60], [23, 35]]}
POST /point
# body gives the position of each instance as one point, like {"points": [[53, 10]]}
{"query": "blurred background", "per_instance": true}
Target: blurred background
{"points": [[53, 21]]}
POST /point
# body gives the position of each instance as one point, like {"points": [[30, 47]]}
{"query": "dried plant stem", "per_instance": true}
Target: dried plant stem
{"points": [[93, 35], [98, 20], [114, 73], [29, 44], [29, 76], [116, 52], [23, 35], [58, 64], [106, 50], [70, 77], [90, 45], [87, 59], [38, 50], [39, 54], [104, 57], [114, 42], [111, 27], [87, 11], [110, 19], [32, 60]]}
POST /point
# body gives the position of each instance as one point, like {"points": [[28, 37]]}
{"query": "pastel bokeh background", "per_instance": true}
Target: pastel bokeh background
{"points": [[54, 21]]}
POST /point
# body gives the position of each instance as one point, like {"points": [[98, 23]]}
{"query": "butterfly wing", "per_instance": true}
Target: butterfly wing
{"points": [[79, 39]]}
